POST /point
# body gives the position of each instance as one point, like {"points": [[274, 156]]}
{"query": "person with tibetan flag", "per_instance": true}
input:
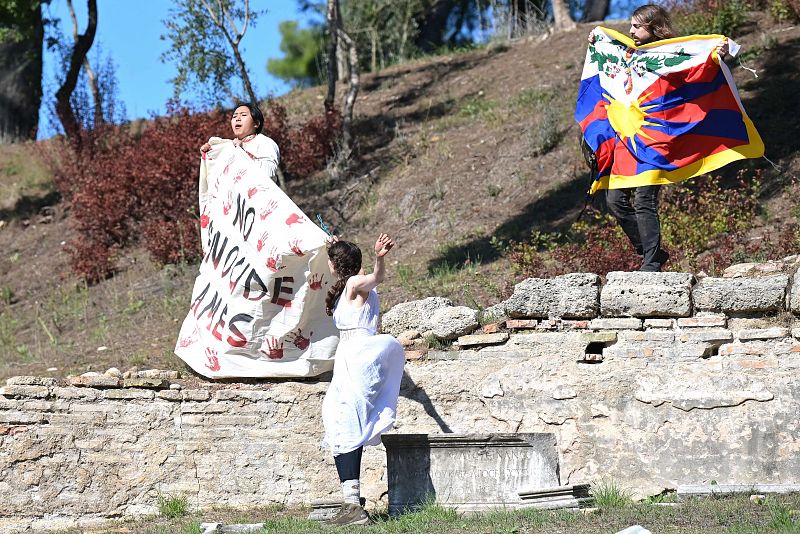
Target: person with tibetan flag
{"points": [[658, 109]]}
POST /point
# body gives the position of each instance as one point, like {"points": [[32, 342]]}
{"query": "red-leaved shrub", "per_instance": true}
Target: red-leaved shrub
{"points": [[125, 187]]}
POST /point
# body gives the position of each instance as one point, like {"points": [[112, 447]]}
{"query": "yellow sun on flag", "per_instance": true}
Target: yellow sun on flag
{"points": [[628, 119]]}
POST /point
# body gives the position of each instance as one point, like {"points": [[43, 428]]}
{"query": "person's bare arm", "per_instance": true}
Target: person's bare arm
{"points": [[364, 283]]}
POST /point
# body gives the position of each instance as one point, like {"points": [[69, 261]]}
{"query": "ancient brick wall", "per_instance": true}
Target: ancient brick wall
{"points": [[653, 380]]}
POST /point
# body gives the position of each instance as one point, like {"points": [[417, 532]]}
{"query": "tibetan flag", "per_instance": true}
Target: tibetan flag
{"points": [[660, 113]]}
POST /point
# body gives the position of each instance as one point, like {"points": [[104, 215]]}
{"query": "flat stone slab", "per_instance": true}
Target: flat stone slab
{"points": [[750, 334], [741, 295], [703, 322], [468, 472], [96, 381], [637, 294], [148, 383], [573, 496], [616, 323], [706, 490], [482, 339], [571, 296]]}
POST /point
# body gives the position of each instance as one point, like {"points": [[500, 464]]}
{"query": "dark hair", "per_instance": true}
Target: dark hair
{"points": [[258, 117], [346, 259], [656, 19]]}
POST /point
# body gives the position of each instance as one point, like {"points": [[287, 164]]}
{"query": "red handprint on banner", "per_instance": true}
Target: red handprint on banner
{"points": [[274, 350], [295, 246], [269, 208], [188, 340], [272, 261], [315, 282], [204, 219], [262, 241], [226, 207], [298, 340], [253, 191], [228, 165], [213, 361], [294, 218], [241, 174]]}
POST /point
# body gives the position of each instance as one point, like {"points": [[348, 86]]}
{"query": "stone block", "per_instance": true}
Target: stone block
{"points": [[34, 392], [570, 296], [741, 295], [482, 339], [170, 395], [467, 472], [663, 337], [749, 334], [706, 335], [710, 321], [31, 381], [492, 328], [659, 323], [616, 323], [453, 321], [129, 394], [143, 382], [157, 373], [415, 355], [75, 393], [574, 325], [409, 337], [599, 337], [413, 315], [639, 294], [522, 324], [94, 381], [196, 394]]}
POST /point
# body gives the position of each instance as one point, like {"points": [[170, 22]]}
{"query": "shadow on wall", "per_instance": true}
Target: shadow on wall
{"points": [[413, 392]]}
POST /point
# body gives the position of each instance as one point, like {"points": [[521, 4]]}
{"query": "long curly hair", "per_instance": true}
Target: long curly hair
{"points": [[656, 19], [346, 259]]}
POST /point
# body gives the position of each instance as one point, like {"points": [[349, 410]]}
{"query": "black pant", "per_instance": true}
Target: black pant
{"points": [[348, 465], [640, 222]]}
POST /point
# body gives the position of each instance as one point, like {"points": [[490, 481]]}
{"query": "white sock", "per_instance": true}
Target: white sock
{"points": [[351, 490]]}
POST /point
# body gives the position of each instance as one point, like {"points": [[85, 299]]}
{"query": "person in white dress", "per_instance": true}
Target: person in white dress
{"points": [[361, 401]]}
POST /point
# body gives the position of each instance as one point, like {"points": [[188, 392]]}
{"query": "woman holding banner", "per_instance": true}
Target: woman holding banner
{"points": [[361, 401], [247, 123]]}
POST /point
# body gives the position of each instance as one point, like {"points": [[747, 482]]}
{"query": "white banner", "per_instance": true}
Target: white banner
{"points": [[258, 304]]}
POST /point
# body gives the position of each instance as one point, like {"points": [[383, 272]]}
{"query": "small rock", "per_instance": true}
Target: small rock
{"points": [[482, 339], [114, 372], [408, 337], [415, 355], [102, 348], [492, 328], [758, 498], [635, 529], [176, 387]]}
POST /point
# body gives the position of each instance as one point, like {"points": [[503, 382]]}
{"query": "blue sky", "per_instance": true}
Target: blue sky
{"points": [[129, 32]]}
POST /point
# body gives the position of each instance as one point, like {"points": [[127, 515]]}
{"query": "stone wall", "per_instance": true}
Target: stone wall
{"points": [[653, 380]]}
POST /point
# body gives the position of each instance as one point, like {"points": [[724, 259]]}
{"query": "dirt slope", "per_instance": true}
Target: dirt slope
{"points": [[455, 153]]}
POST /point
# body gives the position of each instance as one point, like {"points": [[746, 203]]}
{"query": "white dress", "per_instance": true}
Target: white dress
{"points": [[361, 401]]}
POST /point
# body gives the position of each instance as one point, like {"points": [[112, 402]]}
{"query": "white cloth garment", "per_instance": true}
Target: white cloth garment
{"points": [[361, 401]]}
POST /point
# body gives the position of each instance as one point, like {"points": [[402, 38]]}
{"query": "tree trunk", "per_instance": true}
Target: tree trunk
{"points": [[21, 81], [245, 77], [352, 91], [82, 45], [330, 17], [87, 68], [562, 18], [595, 10]]}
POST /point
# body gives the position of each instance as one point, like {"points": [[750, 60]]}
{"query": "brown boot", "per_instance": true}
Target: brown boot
{"points": [[350, 514]]}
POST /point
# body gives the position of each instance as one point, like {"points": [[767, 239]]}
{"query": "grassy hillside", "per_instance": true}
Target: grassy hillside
{"points": [[457, 155]]}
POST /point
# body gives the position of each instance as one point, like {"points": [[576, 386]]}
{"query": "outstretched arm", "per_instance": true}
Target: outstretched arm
{"points": [[363, 284]]}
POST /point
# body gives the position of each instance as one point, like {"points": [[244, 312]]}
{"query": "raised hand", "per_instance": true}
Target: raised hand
{"points": [[383, 245]]}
